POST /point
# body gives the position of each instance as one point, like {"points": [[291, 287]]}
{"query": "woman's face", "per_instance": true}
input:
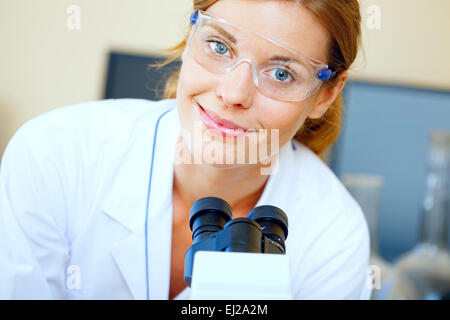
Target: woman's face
{"points": [[233, 96]]}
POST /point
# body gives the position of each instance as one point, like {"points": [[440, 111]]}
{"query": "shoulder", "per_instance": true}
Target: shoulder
{"points": [[93, 123], [101, 114], [80, 141]]}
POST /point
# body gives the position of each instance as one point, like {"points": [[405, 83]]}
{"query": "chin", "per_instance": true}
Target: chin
{"points": [[224, 166]]}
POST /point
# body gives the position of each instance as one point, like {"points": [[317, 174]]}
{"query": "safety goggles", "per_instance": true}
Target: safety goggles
{"points": [[278, 72]]}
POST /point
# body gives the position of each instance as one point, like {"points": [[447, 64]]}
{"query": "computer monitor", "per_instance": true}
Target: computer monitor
{"points": [[131, 76]]}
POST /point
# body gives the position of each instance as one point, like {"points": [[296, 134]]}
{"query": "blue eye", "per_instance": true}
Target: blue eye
{"points": [[280, 74], [219, 47]]}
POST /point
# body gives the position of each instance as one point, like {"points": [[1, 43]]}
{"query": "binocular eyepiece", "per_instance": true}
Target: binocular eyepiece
{"points": [[264, 230]]}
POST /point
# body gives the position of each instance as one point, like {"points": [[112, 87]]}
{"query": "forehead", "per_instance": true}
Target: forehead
{"points": [[286, 22]]}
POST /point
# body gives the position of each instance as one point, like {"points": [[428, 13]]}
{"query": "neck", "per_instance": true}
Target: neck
{"points": [[241, 186]]}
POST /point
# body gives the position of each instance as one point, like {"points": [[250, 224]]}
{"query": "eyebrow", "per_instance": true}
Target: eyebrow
{"points": [[222, 31], [283, 58]]}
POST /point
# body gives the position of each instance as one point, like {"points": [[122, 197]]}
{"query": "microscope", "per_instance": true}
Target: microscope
{"points": [[242, 258]]}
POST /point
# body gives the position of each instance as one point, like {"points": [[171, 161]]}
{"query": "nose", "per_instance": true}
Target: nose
{"points": [[237, 86]]}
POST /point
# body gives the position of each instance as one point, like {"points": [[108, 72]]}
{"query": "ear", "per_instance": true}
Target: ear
{"points": [[327, 95]]}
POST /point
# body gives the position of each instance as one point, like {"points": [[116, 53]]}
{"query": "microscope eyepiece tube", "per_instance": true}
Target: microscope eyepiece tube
{"points": [[207, 216], [273, 222]]}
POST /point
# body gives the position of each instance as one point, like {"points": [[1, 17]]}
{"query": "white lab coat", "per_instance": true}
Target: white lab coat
{"points": [[73, 194]]}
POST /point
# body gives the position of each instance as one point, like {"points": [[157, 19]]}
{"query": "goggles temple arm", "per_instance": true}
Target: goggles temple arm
{"points": [[326, 74], [194, 17]]}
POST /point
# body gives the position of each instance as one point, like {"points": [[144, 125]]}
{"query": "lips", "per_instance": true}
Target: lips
{"points": [[223, 122], [226, 127]]}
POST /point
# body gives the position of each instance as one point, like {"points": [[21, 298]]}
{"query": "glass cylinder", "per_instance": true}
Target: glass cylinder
{"points": [[435, 210], [366, 189]]}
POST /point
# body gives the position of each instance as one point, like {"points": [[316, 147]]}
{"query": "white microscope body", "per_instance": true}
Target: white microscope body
{"points": [[240, 276]]}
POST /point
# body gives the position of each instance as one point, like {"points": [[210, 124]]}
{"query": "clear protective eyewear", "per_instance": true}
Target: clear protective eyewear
{"points": [[220, 46]]}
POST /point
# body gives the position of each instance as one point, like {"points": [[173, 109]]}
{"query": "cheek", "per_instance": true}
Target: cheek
{"points": [[286, 117], [193, 80], [186, 87]]}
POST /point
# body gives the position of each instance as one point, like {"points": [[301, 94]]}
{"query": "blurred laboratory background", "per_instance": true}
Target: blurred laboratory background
{"points": [[393, 154]]}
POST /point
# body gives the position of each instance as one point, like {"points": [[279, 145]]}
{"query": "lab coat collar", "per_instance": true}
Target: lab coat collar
{"points": [[126, 204]]}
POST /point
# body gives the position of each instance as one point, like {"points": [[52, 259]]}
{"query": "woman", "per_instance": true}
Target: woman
{"points": [[95, 198]]}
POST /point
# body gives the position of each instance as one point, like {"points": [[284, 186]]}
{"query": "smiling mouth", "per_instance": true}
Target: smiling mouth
{"points": [[225, 127]]}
